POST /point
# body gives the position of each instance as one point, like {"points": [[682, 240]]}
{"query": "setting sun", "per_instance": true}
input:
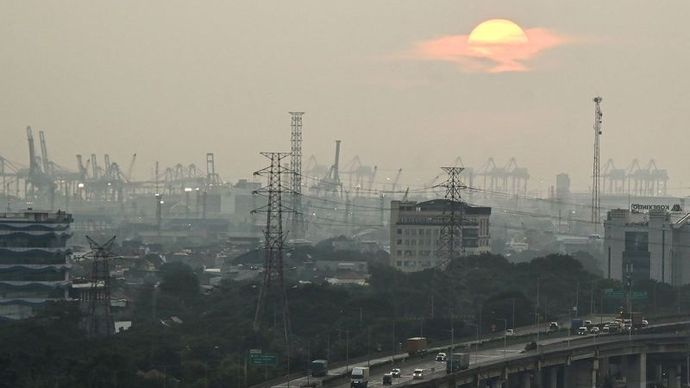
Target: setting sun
{"points": [[494, 46], [497, 31]]}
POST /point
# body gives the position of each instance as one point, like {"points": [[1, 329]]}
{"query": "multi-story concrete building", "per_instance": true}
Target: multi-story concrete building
{"points": [[33, 264], [415, 231], [653, 245]]}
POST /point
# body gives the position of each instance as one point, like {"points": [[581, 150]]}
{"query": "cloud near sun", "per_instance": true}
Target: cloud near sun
{"points": [[494, 46]]}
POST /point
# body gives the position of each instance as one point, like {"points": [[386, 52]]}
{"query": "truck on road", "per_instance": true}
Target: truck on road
{"points": [[575, 325], [457, 362], [636, 320], [359, 378], [319, 368], [416, 345]]}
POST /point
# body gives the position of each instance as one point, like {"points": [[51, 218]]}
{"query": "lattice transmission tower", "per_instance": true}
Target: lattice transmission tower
{"points": [[596, 167], [95, 302], [273, 285], [298, 227], [451, 245]]}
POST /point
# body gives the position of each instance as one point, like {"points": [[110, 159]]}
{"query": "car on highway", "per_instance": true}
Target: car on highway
{"points": [[441, 357], [645, 323], [388, 379], [510, 332], [582, 330], [418, 374], [553, 326], [529, 346], [606, 330], [395, 372], [594, 330], [588, 323]]}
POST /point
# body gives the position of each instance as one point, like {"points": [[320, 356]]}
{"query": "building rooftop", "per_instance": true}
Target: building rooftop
{"points": [[444, 205], [30, 215]]}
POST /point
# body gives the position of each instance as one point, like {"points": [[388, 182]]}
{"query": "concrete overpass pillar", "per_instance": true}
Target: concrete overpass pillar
{"points": [[496, 383], [674, 375], [525, 380], [581, 374], [552, 379], [636, 370]]}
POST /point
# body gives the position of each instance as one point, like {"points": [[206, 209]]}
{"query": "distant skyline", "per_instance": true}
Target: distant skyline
{"points": [[171, 80]]}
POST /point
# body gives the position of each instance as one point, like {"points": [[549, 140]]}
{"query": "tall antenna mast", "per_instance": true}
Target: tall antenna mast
{"points": [[298, 227], [596, 168]]}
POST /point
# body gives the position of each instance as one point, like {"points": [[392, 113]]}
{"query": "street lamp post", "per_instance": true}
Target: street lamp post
{"points": [[505, 335], [347, 351], [452, 340]]}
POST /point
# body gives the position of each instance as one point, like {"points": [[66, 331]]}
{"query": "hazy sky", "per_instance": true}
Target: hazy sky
{"points": [[172, 80]]}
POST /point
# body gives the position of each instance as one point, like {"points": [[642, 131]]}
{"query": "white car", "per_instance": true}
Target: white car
{"points": [[582, 330], [510, 332], [594, 330], [441, 357], [418, 374]]}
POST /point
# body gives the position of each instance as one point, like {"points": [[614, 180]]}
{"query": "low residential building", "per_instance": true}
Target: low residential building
{"points": [[33, 261], [653, 245], [415, 232]]}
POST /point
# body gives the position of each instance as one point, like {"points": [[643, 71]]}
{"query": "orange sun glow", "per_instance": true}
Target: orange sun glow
{"points": [[493, 46]]}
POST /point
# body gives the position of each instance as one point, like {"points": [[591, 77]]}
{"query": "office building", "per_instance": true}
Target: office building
{"points": [[647, 245], [415, 232], [33, 261]]}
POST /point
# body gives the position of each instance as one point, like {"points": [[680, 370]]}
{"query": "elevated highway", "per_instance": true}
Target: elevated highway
{"points": [[489, 357], [641, 360]]}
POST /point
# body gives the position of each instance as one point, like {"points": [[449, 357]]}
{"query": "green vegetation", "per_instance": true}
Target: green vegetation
{"points": [[208, 344]]}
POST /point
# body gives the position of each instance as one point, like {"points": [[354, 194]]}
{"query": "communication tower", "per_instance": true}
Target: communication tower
{"points": [[596, 168], [298, 226]]}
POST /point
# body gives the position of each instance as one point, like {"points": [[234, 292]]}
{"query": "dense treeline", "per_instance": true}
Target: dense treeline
{"points": [[206, 343]]}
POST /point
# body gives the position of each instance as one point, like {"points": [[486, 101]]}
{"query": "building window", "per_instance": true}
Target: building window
{"points": [[399, 242], [399, 231]]}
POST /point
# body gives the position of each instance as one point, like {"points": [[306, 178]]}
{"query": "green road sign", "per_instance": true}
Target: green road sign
{"points": [[614, 293], [263, 359], [635, 295]]}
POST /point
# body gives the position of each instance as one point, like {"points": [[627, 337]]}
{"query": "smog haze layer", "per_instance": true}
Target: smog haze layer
{"points": [[172, 80]]}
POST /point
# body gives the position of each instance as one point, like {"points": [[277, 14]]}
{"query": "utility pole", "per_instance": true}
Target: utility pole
{"points": [[596, 169], [577, 299], [536, 313], [273, 286], [298, 227], [452, 340], [451, 231], [591, 298]]}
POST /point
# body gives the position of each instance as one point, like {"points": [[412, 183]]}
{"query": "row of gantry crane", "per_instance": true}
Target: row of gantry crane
{"points": [[44, 180]]}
